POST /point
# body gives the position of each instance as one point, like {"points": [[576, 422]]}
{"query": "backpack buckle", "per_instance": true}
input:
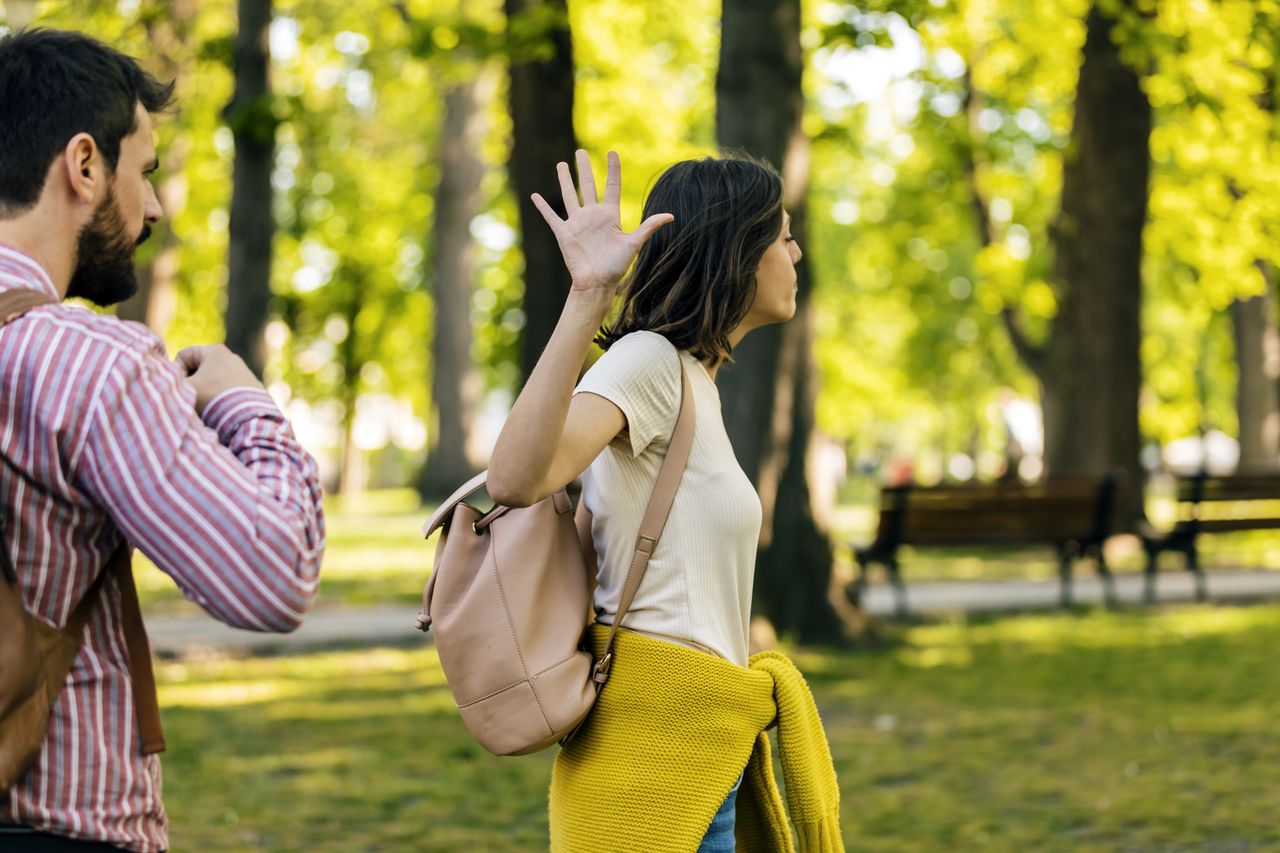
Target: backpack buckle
{"points": [[601, 672]]}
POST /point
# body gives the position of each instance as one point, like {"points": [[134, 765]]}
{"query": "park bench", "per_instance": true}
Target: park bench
{"points": [[1074, 516], [1212, 504]]}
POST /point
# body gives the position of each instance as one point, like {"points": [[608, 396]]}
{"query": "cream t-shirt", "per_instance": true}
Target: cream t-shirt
{"points": [[697, 588]]}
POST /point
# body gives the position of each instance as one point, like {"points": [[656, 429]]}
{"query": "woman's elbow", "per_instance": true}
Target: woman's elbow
{"points": [[504, 494]]}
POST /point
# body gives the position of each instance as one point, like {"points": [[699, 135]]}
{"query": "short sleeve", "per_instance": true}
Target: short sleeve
{"points": [[640, 374]]}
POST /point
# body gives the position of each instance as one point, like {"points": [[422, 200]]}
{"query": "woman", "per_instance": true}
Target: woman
{"points": [[714, 259]]}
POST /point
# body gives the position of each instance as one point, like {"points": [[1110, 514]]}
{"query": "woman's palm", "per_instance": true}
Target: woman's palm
{"points": [[596, 250]]}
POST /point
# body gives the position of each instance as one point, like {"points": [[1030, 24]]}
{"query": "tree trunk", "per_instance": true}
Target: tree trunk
{"points": [[157, 298], [769, 392], [168, 25], [252, 224], [350, 479], [1258, 392], [542, 135], [1091, 373], [455, 385]]}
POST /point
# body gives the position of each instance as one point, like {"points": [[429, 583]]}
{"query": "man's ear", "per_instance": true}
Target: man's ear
{"points": [[86, 173]]}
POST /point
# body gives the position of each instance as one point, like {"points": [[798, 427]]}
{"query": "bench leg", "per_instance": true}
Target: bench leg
{"points": [[856, 587], [1108, 579], [1193, 566], [1064, 576], [1149, 573], [899, 588]]}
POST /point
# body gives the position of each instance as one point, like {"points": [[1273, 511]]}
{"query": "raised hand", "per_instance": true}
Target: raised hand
{"points": [[596, 250]]}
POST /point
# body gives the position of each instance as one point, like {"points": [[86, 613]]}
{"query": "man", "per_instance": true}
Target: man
{"points": [[102, 439]]}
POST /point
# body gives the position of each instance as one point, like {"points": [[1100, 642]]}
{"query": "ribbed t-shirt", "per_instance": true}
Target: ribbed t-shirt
{"points": [[697, 588]]}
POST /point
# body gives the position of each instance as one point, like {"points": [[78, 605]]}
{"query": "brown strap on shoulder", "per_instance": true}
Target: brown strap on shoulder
{"points": [[655, 516], [139, 648], [15, 303], [135, 639]]}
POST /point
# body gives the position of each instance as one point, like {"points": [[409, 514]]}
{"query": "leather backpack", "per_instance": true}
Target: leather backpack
{"points": [[509, 601], [35, 657]]}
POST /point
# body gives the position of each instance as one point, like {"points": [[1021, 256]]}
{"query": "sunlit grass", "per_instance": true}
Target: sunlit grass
{"points": [[1138, 730]]}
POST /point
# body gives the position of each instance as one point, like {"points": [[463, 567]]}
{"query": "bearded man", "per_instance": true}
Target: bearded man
{"points": [[104, 441]]}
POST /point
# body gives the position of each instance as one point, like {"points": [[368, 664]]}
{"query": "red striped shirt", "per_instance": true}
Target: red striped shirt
{"points": [[104, 436]]}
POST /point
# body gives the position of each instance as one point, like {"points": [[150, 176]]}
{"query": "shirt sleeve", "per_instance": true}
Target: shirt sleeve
{"points": [[229, 507], [640, 374]]}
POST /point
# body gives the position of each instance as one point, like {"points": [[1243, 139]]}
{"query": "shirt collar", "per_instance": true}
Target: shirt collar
{"points": [[18, 269]]}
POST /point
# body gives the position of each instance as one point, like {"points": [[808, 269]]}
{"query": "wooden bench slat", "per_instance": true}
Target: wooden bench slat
{"points": [[1229, 525], [1228, 488]]}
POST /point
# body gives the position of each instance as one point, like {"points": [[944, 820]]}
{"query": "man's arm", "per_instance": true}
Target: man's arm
{"points": [[229, 507]]}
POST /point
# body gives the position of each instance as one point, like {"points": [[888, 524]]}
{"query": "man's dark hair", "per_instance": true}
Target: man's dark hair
{"points": [[53, 85], [695, 279]]}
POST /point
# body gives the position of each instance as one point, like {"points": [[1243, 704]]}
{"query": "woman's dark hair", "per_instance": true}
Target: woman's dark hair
{"points": [[695, 279], [53, 85]]}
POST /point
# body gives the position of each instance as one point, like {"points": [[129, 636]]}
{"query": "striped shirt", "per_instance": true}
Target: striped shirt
{"points": [[101, 440]]}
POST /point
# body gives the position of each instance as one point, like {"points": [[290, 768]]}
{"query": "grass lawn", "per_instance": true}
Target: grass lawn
{"points": [[376, 554], [1150, 730]]}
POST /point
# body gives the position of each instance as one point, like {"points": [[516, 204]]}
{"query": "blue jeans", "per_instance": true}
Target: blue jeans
{"points": [[719, 837]]}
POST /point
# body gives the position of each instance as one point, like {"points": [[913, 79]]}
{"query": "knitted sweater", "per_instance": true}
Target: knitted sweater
{"points": [[669, 735]]}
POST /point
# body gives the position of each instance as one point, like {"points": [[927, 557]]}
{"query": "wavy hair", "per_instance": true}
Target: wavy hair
{"points": [[695, 279]]}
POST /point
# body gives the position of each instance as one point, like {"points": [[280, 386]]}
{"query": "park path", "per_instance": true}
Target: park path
{"points": [[195, 635]]}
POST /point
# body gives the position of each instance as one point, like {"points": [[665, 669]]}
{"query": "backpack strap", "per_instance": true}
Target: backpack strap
{"points": [[141, 674], [13, 304]]}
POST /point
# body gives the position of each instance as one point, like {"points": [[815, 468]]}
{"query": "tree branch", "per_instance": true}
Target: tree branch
{"points": [[1034, 357]]}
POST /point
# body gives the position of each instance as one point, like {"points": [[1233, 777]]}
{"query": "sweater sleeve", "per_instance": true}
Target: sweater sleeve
{"points": [[640, 374]]}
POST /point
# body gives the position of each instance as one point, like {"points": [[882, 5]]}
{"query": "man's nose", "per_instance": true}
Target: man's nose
{"points": [[153, 212]]}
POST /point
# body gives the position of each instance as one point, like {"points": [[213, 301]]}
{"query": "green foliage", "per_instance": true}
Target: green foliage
{"points": [[894, 219], [912, 349]]}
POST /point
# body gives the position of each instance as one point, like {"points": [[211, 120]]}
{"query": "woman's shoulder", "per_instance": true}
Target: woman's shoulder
{"points": [[641, 357], [642, 343]]}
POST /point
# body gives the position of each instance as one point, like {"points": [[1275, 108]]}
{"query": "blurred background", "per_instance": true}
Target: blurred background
{"points": [[344, 183], [1040, 242]]}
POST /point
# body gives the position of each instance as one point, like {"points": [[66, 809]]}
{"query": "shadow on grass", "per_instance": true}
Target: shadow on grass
{"points": [[355, 751], [1126, 731]]}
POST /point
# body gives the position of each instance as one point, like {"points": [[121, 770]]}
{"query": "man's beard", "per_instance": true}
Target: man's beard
{"points": [[104, 272]]}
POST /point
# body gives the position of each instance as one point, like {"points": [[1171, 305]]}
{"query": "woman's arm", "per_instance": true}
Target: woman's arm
{"points": [[550, 437]]}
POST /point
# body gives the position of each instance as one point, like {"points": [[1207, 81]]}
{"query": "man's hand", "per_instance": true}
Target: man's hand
{"points": [[212, 369]]}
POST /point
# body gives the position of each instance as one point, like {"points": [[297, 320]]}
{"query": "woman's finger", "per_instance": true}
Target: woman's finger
{"points": [[647, 228], [567, 191], [553, 218], [613, 180], [586, 180]]}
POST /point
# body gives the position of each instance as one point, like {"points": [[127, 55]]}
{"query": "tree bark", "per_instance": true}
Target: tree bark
{"points": [[1091, 375], [351, 469], [252, 223], [1258, 392], [157, 298], [542, 135], [768, 393], [455, 382]]}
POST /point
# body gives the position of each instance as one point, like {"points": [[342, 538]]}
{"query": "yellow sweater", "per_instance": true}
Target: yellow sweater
{"points": [[668, 737]]}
